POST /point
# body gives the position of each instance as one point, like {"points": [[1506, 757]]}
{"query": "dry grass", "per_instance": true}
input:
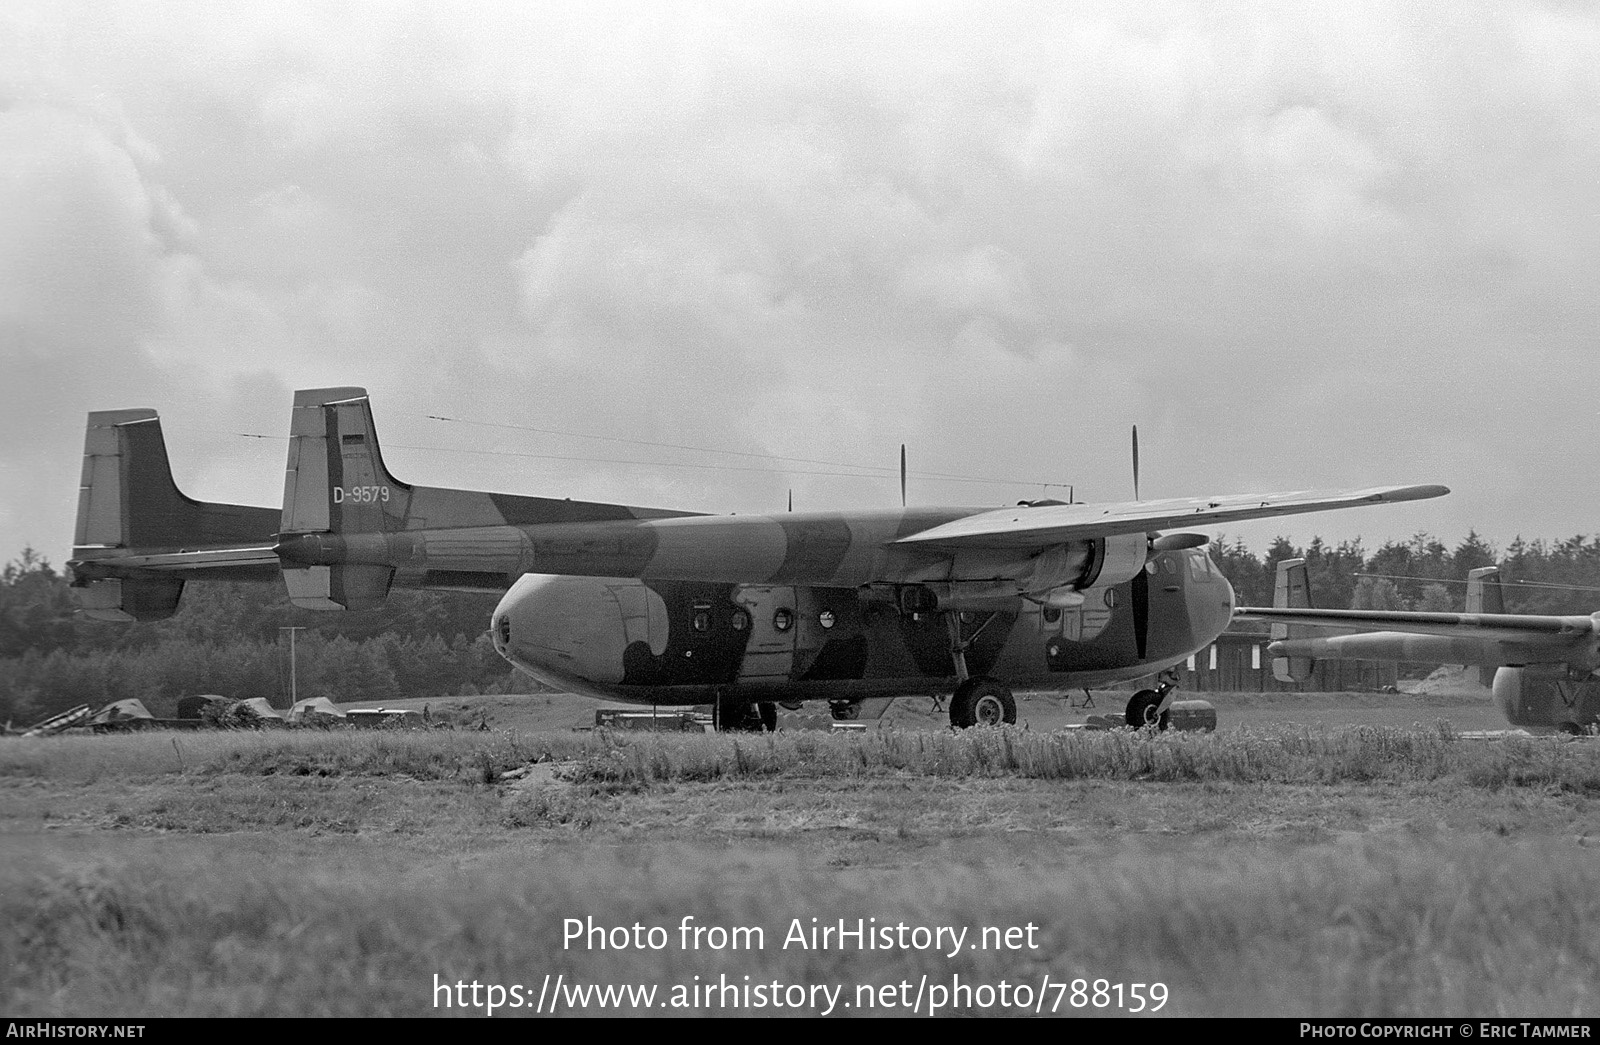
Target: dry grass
{"points": [[1284, 872], [1357, 929], [1284, 755]]}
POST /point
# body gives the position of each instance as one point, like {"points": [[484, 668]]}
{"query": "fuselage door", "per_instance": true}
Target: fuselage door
{"points": [[771, 620]]}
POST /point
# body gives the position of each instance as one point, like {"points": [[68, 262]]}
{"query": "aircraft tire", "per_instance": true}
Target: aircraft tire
{"points": [[982, 701], [844, 710], [729, 715], [1141, 711]]}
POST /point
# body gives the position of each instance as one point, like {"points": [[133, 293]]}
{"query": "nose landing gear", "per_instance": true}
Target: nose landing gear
{"points": [[1151, 707]]}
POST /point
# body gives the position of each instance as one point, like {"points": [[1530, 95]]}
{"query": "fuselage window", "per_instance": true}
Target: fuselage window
{"points": [[1051, 615], [740, 620], [825, 618], [783, 620], [702, 621], [1111, 598]]}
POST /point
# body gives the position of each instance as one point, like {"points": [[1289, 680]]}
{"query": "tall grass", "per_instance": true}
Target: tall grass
{"points": [[1288, 755], [1409, 926]]}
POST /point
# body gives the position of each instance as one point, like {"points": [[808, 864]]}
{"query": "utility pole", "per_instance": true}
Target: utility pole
{"points": [[294, 688]]}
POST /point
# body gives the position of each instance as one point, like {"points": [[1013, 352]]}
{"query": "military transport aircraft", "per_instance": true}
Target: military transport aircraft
{"points": [[1542, 667], [677, 608]]}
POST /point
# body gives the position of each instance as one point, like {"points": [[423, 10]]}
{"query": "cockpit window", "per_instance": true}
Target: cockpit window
{"points": [[503, 627]]}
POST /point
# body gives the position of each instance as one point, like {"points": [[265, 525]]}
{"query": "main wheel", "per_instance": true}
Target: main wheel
{"points": [[769, 716], [982, 702], [1141, 710], [729, 714], [844, 710]]}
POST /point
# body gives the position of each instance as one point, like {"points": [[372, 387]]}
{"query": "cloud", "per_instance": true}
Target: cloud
{"points": [[1297, 247]]}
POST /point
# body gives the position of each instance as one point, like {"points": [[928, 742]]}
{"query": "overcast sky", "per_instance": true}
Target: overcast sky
{"points": [[1307, 245]]}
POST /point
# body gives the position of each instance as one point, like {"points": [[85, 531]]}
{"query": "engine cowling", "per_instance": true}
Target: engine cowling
{"points": [[1117, 559], [983, 578]]}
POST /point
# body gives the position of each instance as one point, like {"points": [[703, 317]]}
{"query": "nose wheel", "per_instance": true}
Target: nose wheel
{"points": [[982, 702], [1151, 707]]}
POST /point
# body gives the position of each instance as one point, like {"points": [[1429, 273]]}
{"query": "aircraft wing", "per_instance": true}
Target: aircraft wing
{"points": [[1506, 627], [1028, 526]]}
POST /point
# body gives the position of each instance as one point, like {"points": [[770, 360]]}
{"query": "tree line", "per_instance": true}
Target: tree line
{"points": [[227, 638]]}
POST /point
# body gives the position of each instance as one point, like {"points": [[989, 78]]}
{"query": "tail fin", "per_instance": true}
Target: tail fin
{"points": [[138, 535], [1485, 594], [349, 526], [1291, 590], [336, 483]]}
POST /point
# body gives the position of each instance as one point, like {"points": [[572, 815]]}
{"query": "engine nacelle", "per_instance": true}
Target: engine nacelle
{"points": [[1547, 698], [1115, 560], [988, 578]]}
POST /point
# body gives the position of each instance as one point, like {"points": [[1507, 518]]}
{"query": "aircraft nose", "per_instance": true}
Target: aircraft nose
{"points": [[565, 631]]}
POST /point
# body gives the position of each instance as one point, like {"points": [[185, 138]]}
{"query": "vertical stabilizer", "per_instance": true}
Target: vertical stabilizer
{"points": [[1485, 594], [336, 484], [1291, 590], [138, 535]]}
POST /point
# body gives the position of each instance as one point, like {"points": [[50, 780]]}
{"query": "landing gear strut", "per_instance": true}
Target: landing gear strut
{"points": [[1151, 707], [978, 700]]}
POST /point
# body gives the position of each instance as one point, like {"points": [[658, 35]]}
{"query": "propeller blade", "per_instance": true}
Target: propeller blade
{"points": [[1135, 462], [791, 498], [902, 475]]}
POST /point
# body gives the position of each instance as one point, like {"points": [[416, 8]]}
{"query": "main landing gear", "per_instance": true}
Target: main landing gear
{"points": [[743, 716], [978, 700], [982, 702]]}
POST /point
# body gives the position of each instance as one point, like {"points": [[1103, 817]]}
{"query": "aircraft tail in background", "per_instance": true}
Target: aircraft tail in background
{"points": [[138, 536], [1291, 589]]}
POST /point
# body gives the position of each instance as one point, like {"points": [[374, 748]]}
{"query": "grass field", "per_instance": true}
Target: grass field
{"points": [[1274, 868]]}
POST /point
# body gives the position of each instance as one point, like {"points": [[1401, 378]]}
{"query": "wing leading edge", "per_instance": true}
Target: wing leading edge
{"points": [[1032, 526]]}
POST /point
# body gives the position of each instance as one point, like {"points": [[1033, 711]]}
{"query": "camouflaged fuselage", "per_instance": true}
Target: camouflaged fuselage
{"points": [[684, 642]]}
